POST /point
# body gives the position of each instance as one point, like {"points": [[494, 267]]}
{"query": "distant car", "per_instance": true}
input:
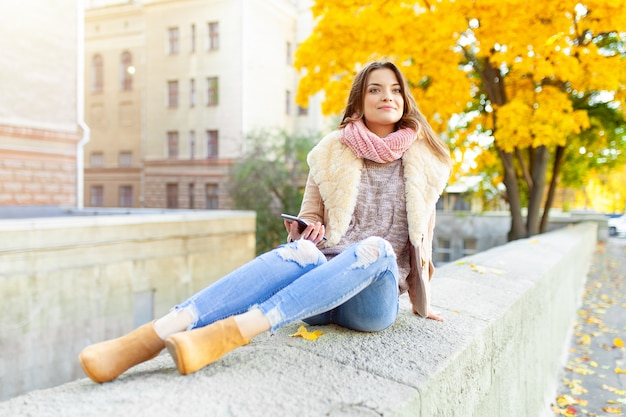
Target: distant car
{"points": [[617, 225]]}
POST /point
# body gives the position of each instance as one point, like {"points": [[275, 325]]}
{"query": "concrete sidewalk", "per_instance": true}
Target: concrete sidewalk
{"points": [[588, 384]]}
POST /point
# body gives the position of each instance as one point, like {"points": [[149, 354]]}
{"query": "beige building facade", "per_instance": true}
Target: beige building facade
{"points": [[40, 104], [174, 86]]}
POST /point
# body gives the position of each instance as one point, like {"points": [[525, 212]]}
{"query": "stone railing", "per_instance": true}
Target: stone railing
{"points": [[71, 280], [508, 312]]}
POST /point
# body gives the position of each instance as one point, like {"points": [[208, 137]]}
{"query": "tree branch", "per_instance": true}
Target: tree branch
{"points": [[525, 172]]}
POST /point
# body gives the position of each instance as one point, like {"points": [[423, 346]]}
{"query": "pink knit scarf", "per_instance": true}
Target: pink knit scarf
{"points": [[366, 144]]}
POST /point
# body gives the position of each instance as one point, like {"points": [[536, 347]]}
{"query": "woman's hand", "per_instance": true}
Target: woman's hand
{"points": [[313, 232], [434, 316]]}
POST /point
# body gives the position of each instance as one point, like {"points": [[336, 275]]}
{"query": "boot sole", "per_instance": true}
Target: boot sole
{"points": [[171, 348]]}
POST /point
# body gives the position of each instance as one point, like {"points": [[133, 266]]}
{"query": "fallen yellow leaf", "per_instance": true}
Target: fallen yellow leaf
{"points": [[618, 342], [583, 371], [620, 371], [565, 400], [567, 412], [612, 410], [305, 334], [585, 340], [575, 386], [613, 389]]}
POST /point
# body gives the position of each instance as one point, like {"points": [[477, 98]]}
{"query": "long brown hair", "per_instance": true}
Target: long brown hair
{"points": [[411, 115]]}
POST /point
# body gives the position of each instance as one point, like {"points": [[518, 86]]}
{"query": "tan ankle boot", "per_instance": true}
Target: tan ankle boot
{"points": [[105, 361], [195, 349]]}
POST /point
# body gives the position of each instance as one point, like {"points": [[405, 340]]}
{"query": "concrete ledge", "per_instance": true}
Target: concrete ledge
{"points": [[508, 311], [70, 281]]}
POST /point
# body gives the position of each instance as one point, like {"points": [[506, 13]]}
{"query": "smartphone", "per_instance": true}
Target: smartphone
{"points": [[301, 223]]}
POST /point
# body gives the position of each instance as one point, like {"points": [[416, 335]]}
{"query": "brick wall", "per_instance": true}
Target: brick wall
{"points": [[37, 167]]}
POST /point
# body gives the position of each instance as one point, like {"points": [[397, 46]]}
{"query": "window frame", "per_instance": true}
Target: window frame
{"points": [[213, 36], [211, 193], [125, 159], [171, 195], [212, 91], [96, 159], [125, 194], [212, 143], [126, 71], [96, 195], [173, 40], [97, 74], [173, 144], [172, 94]]}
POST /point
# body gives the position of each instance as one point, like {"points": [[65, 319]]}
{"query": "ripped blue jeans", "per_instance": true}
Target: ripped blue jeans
{"points": [[357, 289]]}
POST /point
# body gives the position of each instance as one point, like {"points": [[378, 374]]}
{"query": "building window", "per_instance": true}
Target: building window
{"points": [[443, 252], [461, 202], [287, 102], [172, 37], [212, 92], [125, 159], [470, 246], [211, 144], [126, 196], [97, 74], [191, 191], [172, 94], [192, 144], [97, 159], [172, 145], [172, 196], [214, 36], [289, 54], [97, 196], [193, 38], [192, 92], [303, 111], [211, 191], [126, 72]]}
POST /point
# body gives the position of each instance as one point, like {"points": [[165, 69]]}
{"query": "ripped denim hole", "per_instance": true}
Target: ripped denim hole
{"points": [[303, 253], [275, 317], [368, 252], [191, 312]]}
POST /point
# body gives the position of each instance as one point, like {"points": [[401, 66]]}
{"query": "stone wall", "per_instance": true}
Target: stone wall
{"points": [[67, 282], [508, 312]]}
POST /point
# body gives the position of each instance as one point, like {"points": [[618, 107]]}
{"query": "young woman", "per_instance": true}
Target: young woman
{"points": [[370, 204]]}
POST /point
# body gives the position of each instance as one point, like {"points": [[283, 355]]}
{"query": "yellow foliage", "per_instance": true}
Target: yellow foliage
{"points": [[539, 55], [540, 49]]}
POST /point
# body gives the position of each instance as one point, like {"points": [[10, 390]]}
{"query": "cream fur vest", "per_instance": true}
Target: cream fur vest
{"points": [[337, 173]]}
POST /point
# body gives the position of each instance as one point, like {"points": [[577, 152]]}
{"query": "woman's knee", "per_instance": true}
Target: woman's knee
{"points": [[303, 252], [372, 249]]}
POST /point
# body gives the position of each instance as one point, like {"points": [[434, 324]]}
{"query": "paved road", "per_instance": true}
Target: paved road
{"points": [[591, 383]]}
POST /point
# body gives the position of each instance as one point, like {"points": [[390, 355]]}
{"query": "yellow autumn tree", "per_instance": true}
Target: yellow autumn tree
{"points": [[528, 75]]}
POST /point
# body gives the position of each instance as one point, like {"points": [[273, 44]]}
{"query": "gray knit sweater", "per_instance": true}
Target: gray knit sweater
{"points": [[380, 211]]}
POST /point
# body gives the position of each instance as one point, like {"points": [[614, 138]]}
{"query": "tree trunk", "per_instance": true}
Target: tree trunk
{"points": [[554, 181], [539, 165], [518, 230]]}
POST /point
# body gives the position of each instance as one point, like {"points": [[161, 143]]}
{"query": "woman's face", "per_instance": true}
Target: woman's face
{"points": [[383, 103]]}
